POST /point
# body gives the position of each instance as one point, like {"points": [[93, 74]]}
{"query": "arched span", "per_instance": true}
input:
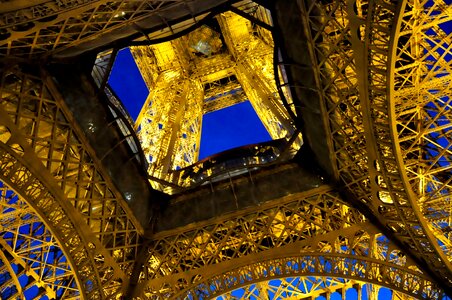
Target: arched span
{"points": [[407, 175], [15, 173], [33, 262], [320, 265], [311, 287], [45, 161], [310, 234]]}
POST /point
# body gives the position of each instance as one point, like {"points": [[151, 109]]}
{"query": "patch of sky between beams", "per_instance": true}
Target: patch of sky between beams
{"points": [[126, 81], [443, 52], [231, 127], [224, 129]]}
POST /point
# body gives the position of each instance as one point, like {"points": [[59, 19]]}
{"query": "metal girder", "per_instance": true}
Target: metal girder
{"points": [[382, 70], [407, 189], [296, 288], [72, 27], [311, 233], [350, 50], [10, 285], [224, 101], [31, 256], [49, 164], [216, 67], [310, 288], [15, 174], [254, 71], [218, 95]]}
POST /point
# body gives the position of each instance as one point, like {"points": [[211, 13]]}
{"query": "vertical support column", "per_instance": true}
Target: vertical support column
{"points": [[157, 119], [169, 124], [264, 100], [358, 289], [163, 74], [188, 139], [182, 140], [373, 292], [255, 73]]}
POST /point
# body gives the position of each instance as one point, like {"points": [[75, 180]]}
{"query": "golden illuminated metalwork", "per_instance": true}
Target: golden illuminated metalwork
{"points": [[377, 75], [29, 254], [58, 27], [300, 235], [312, 288], [359, 114], [184, 79], [254, 70], [420, 115], [61, 181]]}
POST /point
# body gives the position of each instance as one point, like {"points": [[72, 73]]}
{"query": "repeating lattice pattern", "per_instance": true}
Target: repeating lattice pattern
{"points": [[21, 179], [39, 118], [421, 113], [30, 255], [254, 71], [311, 288], [364, 154], [384, 73], [403, 203], [303, 234], [57, 25]]}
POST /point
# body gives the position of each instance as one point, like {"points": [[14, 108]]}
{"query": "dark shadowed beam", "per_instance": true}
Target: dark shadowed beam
{"points": [[89, 108], [249, 190], [65, 30], [290, 35]]}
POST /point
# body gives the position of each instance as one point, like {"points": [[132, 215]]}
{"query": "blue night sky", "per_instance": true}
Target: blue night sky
{"points": [[224, 129], [126, 81], [231, 127]]}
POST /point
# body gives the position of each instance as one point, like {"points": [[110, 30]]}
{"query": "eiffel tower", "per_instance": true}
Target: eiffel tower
{"points": [[351, 198]]}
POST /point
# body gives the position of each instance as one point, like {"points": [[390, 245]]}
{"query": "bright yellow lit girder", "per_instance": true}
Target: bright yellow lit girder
{"points": [[146, 62], [189, 138], [255, 72], [213, 68], [170, 127], [169, 124], [170, 120]]}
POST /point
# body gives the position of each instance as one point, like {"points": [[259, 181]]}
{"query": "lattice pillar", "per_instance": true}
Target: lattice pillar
{"points": [[147, 64], [169, 124], [170, 128], [409, 97], [255, 72], [421, 118], [188, 139], [48, 161], [351, 51]]}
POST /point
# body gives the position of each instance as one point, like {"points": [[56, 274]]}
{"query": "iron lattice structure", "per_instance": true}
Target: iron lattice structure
{"points": [[186, 80], [366, 82]]}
